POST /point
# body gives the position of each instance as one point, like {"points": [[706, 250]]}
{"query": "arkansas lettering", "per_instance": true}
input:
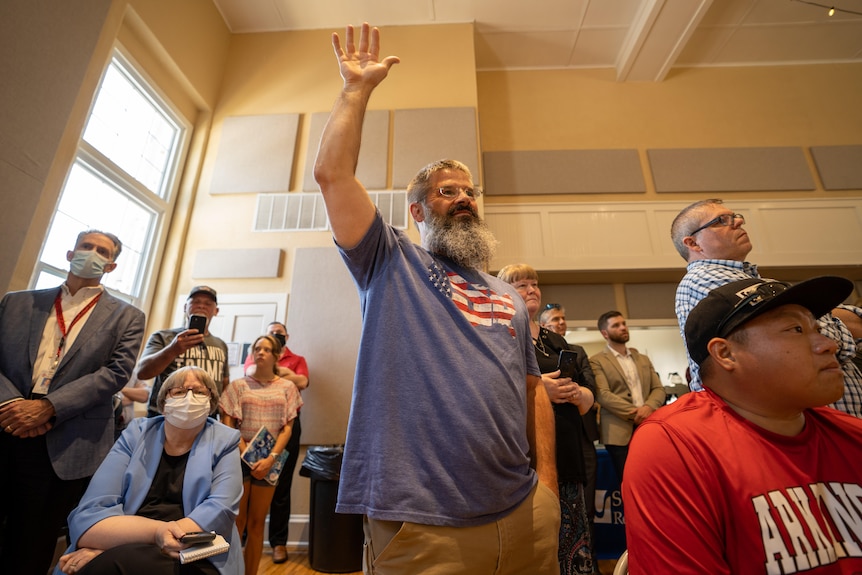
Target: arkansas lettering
{"points": [[806, 527]]}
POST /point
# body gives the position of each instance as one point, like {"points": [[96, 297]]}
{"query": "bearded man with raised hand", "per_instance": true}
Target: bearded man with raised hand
{"points": [[451, 434]]}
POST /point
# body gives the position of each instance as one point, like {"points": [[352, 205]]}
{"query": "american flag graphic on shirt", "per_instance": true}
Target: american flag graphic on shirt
{"points": [[480, 305]]}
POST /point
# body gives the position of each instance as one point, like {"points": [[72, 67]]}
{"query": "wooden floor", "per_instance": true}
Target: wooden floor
{"points": [[297, 564]]}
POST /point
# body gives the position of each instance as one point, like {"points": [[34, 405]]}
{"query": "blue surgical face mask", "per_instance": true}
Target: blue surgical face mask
{"points": [[88, 264]]}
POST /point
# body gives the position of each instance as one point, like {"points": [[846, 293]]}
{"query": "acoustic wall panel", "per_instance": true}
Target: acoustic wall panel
{"points": [[563, 172], [583, 302], [840, 167], [730, 169], [650, 300], [323, 293], [255, 154], [242, 263], [425, 135], [373, 155]]}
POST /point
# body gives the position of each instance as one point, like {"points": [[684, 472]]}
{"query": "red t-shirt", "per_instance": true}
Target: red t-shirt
{"points": [[707, 491]]}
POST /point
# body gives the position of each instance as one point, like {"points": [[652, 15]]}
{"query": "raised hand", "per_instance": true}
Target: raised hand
{"points": [[362, 66]]}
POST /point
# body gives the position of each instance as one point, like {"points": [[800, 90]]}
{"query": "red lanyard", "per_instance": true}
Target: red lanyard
{"points": [[61, 323]]}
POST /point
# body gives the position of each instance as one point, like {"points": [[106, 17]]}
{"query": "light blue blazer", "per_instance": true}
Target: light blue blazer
{"points": [[212, 487]]}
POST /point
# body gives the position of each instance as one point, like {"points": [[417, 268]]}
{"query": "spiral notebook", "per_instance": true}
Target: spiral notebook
{"points": [[215, 547]]}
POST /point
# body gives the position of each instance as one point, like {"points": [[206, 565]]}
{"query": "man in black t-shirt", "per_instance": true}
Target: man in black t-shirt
{"points": [[170, 349]]}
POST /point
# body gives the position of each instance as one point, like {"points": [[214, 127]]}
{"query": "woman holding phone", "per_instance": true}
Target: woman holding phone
{"points": [[571, 395], [249, 403]]}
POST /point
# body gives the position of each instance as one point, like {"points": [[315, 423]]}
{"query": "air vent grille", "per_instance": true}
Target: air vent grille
{"points": [[300, 211]]}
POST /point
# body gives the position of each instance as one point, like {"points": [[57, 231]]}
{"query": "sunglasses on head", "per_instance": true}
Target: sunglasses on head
{"points": [[552, 306]]}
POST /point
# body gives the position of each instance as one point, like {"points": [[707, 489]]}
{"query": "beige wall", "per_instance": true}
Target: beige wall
{"points": [[211, 74], [298, 73], [44, 89], [191, 39], [693, 108], [54, 53]]}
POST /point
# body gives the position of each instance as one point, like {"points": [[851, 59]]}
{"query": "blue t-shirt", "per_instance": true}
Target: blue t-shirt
{"points": [[437, 430]]}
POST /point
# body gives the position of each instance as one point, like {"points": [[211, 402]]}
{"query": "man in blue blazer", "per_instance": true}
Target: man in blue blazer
{"points": [[64, 353]]}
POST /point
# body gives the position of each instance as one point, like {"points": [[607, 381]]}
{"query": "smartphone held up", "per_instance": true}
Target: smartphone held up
{"points": [[198, 322]]}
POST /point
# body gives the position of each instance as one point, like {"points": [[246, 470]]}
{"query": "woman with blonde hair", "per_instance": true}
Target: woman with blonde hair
{"points": [[570, 398], [249, 403]]}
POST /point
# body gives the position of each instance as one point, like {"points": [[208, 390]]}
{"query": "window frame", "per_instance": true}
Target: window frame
{"points": [[161, 204]]}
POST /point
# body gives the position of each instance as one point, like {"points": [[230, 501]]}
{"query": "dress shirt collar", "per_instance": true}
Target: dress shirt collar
{"points": [[747, 267], [82, 294], [618, 354]]}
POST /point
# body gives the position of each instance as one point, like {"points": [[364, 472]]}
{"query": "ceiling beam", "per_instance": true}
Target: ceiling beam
{"points": [[656, 38]]}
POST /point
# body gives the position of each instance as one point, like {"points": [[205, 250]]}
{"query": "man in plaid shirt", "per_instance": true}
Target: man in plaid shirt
{"points": [[711, 239]]}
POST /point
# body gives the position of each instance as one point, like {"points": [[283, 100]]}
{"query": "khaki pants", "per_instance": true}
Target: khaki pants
{"points": [[525, 541]]}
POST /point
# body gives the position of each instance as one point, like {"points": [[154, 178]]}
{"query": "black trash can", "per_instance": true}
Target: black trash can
{"points": [[335, 540]]}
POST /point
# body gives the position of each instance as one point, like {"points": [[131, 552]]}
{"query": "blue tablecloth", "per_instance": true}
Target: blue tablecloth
{"points": [[610, 522]]}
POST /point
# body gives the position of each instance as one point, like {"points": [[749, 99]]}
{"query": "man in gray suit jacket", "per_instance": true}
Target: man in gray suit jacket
{"points": [[627, 387], [64, 353]]}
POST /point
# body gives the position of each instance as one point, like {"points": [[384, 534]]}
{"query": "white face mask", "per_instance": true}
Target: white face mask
{"points": [[88, 264], [186, 412]]}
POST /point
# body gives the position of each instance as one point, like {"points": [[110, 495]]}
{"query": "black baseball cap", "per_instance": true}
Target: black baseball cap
{"points": [[203, 289], [729, 306]]}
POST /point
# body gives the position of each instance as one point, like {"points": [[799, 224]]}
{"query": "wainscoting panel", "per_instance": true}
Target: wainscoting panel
{"points": [[636, 235], [573, 233], [519, 233], [819, 234]]}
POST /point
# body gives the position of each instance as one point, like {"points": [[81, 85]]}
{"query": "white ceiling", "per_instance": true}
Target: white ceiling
{"points": [[641, 39]]}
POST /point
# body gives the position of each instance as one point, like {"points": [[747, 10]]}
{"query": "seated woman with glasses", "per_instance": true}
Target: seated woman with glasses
{"points": [[570, 397], [165, 476], [249, 403]]}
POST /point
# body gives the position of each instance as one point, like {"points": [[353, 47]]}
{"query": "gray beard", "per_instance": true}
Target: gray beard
{"points": [[468, 243]]}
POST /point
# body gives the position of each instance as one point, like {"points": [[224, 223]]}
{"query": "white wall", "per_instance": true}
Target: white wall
{"points": [[663, 345]]}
